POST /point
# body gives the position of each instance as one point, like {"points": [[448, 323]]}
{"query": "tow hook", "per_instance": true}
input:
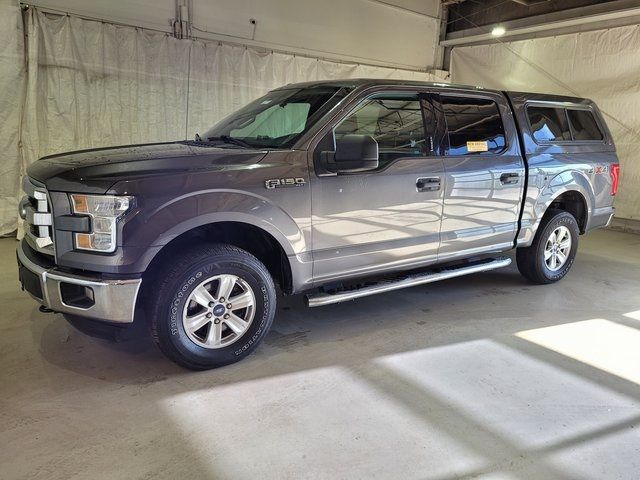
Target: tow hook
{"points": [[44, 309]]}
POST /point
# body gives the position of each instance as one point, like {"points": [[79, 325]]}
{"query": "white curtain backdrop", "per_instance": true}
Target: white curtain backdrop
{"points": [[602, 65], [12, 75], [92, 84]]}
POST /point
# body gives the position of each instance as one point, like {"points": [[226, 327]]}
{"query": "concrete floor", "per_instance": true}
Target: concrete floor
{"points": [[481, 377]]}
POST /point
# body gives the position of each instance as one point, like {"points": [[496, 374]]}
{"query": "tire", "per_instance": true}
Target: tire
{"points": [[531, 261], [177, 301]]}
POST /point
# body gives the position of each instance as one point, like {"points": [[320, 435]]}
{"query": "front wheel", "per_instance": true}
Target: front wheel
{"points": [[212, 307], [553, 250]]}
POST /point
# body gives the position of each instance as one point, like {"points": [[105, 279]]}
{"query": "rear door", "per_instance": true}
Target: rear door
{"points": [[484, 174]]}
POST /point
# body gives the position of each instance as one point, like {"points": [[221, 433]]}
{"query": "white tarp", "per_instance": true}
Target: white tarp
{"points": [[12, 74], [92, 84], [602, 65]]}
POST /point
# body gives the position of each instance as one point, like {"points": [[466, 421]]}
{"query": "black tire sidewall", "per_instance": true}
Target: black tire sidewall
{"points": [[171, 331], [562, 219]]}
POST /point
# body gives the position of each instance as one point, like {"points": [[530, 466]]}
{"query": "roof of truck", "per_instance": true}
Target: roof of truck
{"points": [[359, 82]]}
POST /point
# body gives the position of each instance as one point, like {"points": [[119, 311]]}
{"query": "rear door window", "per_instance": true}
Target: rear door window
{"points": [[583, 125], [474, 124], [549, 124]]}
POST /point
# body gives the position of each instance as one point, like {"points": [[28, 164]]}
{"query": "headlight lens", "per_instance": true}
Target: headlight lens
{"points": [[104, 211]]}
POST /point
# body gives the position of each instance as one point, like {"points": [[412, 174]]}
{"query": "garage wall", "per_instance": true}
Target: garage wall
{"points": [[602, 65], [92, 84], [400, 33]]}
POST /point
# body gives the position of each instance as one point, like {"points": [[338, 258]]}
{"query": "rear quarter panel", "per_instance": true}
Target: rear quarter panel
{"points": [[555, 168]]}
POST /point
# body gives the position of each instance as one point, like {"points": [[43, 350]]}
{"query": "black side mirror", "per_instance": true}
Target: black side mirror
{"points": [[354, 153]]}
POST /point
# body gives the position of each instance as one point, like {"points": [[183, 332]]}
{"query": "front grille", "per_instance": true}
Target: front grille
{"points": [[38, 219]]}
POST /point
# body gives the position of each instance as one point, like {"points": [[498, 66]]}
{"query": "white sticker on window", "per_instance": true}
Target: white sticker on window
{"points": [[479, 146]]}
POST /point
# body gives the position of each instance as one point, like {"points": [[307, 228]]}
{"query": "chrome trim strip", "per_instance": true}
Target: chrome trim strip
{"points": [[40, 217], [43, 245], [115, 300], [323, 298], [609, 220]]}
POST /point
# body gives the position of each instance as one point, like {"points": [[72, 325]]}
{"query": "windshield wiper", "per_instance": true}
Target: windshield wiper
{"points": [[230, 140]]}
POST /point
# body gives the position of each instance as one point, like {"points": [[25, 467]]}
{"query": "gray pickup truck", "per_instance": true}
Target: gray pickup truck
{"points": [[338, 189]]}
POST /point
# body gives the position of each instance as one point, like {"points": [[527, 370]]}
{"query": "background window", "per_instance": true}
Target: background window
{"points": [[474, 125], [584, 125], [549, 124], [395, 122]]}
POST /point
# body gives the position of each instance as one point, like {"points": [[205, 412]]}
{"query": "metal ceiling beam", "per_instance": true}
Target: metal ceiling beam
{"points": [[604, 15]]}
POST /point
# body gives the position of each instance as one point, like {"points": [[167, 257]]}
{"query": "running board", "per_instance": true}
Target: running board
{"points": [[323, 298]]}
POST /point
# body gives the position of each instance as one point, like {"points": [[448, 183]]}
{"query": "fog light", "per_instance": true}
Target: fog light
{"points": [[75, 295]]}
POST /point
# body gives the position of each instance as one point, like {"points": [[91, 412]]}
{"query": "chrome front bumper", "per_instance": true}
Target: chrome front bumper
{"points": [[113, 300]]}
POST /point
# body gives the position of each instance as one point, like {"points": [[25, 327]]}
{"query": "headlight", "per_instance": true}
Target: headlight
{"points": [[104, 211]]}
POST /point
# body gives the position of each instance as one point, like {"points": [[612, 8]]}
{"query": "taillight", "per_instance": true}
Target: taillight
{"points": [[615, 178]]}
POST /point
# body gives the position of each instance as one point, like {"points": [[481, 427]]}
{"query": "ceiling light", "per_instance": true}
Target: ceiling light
{"points": [[498, 31]]}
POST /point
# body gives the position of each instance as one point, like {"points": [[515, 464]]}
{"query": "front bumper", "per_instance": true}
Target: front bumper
{"points": [[106, 300]]}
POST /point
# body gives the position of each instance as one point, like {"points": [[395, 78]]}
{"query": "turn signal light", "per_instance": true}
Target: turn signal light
{"points": [[615, 178]]}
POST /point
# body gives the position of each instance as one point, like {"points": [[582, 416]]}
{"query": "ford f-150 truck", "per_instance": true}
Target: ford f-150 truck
{"points": [[338, 189]]}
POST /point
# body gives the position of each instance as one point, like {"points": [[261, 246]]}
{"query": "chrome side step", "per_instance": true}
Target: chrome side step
{"points": [[323, 298]]}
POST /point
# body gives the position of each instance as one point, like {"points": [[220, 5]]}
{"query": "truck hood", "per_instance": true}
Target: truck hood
{"points": [[96, 170]]}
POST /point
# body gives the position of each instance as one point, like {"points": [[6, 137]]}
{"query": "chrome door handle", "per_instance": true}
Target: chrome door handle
{"points": [[509, 178], [428, 184]]}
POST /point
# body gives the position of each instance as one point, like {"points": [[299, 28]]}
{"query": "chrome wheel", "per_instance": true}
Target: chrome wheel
{"points": [[219, 311], [557, 248]]}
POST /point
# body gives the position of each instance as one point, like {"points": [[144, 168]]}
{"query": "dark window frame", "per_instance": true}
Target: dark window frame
{"points": [[445, 94], [418, 94], [565, 108], [324, 138]]}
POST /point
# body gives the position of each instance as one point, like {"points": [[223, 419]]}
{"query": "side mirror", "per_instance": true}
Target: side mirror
{"points": [[354, 153]]}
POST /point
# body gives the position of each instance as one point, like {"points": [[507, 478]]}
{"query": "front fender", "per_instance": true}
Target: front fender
{"points": [[181, 214], [543, 190]]}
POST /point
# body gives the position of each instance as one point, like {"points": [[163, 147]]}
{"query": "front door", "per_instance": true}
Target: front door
{"points": [[385, 218]]}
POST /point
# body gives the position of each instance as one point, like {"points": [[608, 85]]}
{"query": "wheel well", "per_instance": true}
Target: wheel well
{"points": [[574, 203], [254, 240]]}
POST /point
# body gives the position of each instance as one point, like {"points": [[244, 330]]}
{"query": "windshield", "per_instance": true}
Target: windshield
{"points": [[276, 120]]}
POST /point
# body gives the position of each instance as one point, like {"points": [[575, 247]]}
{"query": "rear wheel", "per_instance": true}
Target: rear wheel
{"points": [[554, 247], [212, 307]]}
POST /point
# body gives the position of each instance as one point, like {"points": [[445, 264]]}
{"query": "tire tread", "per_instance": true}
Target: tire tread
{"points": [[527, 258], [164, 285]]}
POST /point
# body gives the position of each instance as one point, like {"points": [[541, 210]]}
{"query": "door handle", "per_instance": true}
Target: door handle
{"points": [[509, 178], [428, 184]]}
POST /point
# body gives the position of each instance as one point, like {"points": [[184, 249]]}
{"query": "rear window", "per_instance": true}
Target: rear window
{"points": [[474, 125], [583, 125], [557, 124], [549, 124]]}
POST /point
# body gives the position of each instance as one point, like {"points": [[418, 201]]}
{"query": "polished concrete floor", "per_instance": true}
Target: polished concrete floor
{"points": [[481, 377]]}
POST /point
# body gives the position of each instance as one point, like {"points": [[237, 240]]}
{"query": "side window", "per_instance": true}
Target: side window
{"points": [[474, 125], [395, 121], [548, 124], [583, 125]]}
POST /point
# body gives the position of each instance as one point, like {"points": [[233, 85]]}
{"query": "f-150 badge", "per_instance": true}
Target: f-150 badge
{"points": [[284, 182]]}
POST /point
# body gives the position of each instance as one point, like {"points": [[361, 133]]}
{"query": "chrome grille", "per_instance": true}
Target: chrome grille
{"points": [[36, 213]]}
